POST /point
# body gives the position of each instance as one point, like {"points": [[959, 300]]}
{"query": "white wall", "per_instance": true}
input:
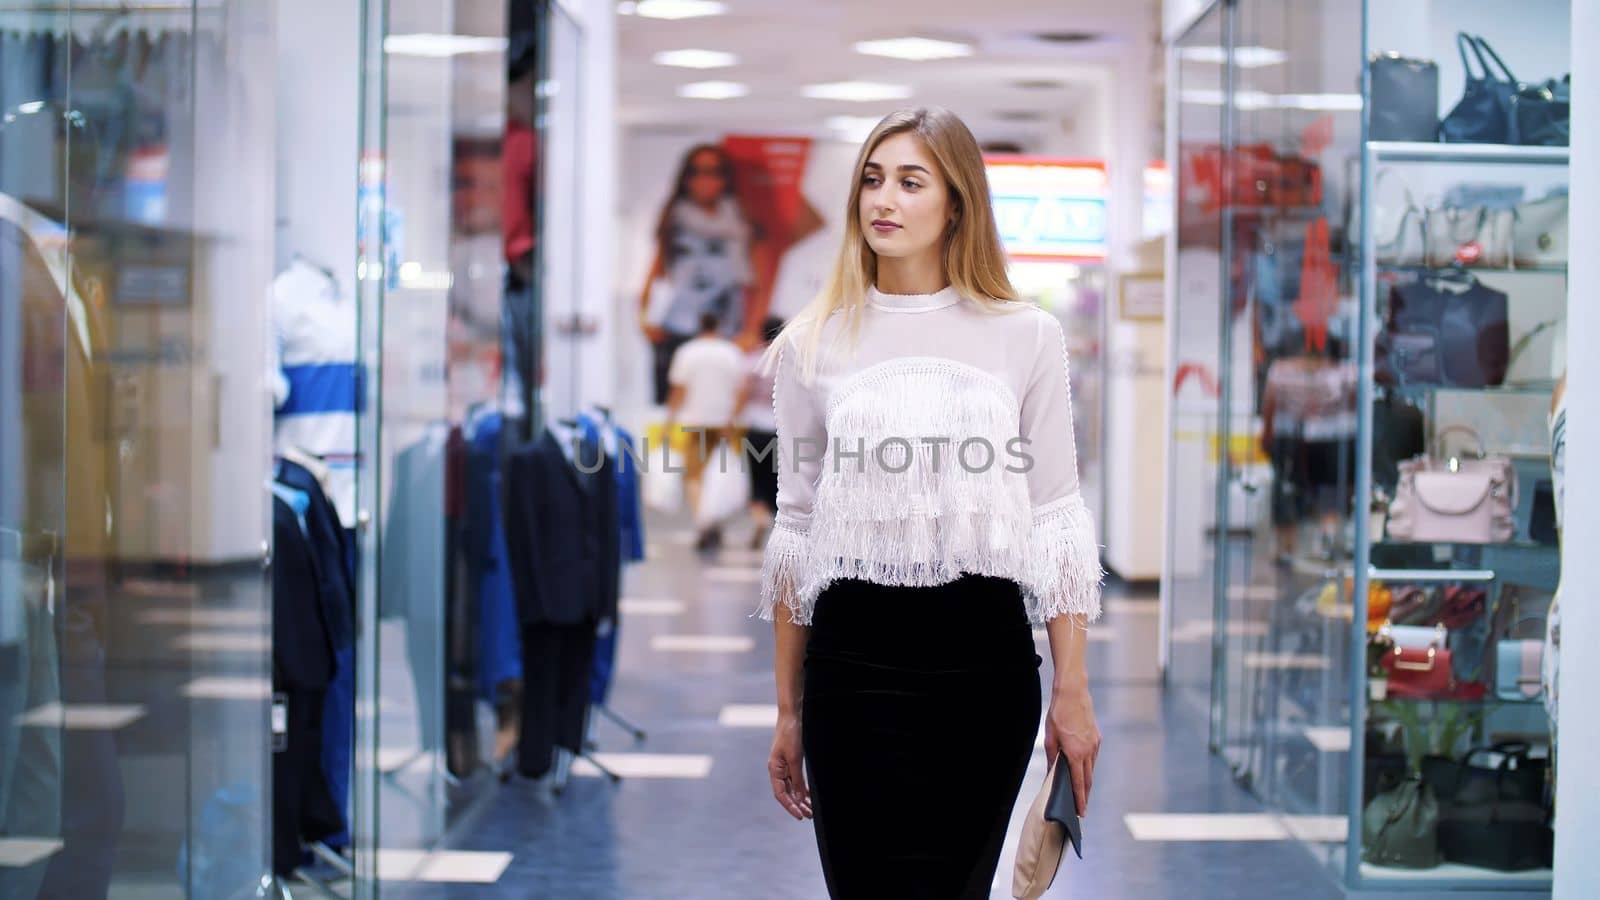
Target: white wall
{"points": [[1578, 771], [319, 67], [582, 370], [235, 96]]}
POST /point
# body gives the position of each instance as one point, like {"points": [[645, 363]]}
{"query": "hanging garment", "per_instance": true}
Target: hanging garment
{"points": [[462, 753], [553, 529], [555, 692], [303, 666], [561, 536], [499, 642], [318, 385], [414, 569]]}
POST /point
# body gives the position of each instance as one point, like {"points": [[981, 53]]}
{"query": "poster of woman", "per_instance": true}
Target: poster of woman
{"points": [[706, 249]]}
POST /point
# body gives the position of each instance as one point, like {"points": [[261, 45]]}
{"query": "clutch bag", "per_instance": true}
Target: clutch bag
{"points": [[1052, 823]]}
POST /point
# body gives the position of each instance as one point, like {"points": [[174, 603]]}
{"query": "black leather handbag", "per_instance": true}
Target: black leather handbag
{"points": [[1483, 115], [1405, 99], [1541, 114], [1493, 813], [1439, 337]]}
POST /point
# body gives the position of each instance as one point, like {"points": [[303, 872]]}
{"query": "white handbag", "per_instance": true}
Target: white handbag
{"points": [[1539, 237], [1397, 236], [1470, 236]]}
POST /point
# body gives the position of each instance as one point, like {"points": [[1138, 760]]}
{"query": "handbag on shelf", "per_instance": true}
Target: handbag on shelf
{"points": [[1414, 637], [1541, 114], [1052, 823], [1419, 674], [1469, 236], [1539, 235], [1414, 605], [1493, 813], [1463, 605], [1519, 669], [1502, 771], [1445, 330], [1405, 99], [1484, 113], [1400, 827], [1399, 241], [1542, 518], [1454, 500]]}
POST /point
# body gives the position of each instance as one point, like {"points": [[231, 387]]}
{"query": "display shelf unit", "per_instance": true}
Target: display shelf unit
{"points": [[1489, 565], [1475, 154]]}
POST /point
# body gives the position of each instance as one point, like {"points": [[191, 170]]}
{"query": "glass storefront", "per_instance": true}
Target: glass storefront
{"points": [[135, 619], [271, 307], [1369, 322]]}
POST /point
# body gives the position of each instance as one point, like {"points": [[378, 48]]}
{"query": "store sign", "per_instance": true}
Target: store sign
{"points": [[1050, 209]]}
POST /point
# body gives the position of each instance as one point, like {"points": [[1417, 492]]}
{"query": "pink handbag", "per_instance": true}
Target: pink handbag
{"points": [[1455, 499]]}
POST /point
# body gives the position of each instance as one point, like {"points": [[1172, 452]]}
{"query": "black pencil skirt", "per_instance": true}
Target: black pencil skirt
{"points": [[919, 715]]}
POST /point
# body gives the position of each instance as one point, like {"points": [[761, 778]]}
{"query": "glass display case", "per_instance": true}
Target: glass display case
{"points": [[1368, 332]]}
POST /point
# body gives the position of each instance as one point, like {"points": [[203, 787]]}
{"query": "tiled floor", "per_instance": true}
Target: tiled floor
{"points": [[694, 817]]}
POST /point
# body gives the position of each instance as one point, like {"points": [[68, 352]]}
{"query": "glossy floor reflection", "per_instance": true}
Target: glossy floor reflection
{"points": [[710, 829]]}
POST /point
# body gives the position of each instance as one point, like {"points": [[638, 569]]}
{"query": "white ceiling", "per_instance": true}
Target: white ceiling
{"points": [[786, 44]]}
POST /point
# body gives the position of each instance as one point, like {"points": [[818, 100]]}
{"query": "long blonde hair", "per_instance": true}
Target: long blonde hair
{"points": [[974, 261]]}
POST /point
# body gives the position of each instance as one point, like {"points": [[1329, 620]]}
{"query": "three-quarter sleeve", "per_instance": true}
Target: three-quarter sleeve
{"points": [[802, 440], [1064, 573]]}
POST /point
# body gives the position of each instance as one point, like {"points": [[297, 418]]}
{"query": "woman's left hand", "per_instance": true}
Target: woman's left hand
{"points": [[1071, 730]]}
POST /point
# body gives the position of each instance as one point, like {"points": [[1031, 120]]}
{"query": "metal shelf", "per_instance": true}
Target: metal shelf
{"points": [[1406, 151]]}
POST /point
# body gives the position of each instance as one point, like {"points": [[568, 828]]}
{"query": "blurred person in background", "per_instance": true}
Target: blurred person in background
{"points": [[705, 247], [1308, 427], [705, 375], [761, 431]]}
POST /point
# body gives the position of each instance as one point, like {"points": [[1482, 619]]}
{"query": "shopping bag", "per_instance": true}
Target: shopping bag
{"points": [[724, 490], [662, 481]]}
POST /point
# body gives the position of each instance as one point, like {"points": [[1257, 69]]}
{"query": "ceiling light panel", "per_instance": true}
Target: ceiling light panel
{"points": [[675, 9], [914, 48], [1249, 57], [441, 46], [696, 59], [857, 91], [714, 90]]}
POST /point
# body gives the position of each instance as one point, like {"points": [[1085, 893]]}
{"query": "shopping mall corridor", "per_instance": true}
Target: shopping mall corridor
{"points": [[694, 818]]}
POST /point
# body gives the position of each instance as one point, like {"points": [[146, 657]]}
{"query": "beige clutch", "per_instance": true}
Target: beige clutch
{"points": [[1052, 821]]}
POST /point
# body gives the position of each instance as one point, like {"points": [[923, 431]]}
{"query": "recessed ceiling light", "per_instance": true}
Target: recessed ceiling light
{"points": [[1039, 84], [696, 59], [440, 46], [1244, 57], [674, 9], [852, 128], [714, 90], [914, 48], [857, 91]]}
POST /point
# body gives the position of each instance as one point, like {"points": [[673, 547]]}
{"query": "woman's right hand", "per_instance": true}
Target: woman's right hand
{"points": [[786, 770]]}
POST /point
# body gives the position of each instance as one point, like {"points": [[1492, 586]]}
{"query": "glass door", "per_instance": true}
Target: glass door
{"points": [[1196, 364], [457, 178], [135, 628], [1292, 401]]}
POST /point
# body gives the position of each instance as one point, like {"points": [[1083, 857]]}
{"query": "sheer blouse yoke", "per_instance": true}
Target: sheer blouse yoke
{"points": [[940, 444]]}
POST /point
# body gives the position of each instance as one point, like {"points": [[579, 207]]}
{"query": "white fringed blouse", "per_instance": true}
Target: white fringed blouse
{"points": [[942, 445]]}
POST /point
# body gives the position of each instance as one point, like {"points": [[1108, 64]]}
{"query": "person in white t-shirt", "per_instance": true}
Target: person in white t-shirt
{"points": [[705, 376]]}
